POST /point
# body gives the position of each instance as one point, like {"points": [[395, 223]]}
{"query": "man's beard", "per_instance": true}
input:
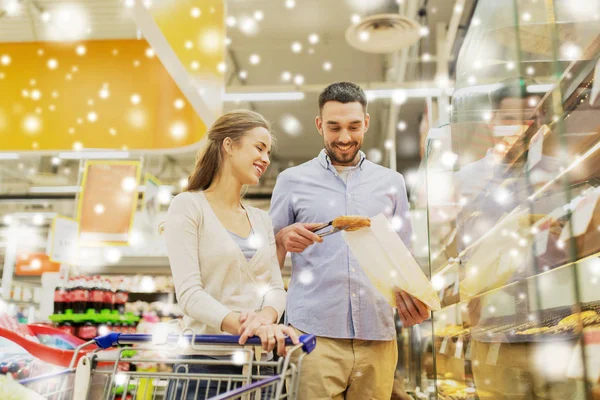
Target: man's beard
{"points": [[341, 158]]}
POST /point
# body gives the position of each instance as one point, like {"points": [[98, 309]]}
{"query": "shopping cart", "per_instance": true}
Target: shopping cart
{"points": [[182, 378]]}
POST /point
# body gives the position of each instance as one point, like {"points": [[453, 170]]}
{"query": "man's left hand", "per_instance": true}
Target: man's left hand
{"points": [[411, 310]]}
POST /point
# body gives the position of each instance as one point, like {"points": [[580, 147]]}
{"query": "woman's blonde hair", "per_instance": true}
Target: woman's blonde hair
{"points": [[233, 125]]}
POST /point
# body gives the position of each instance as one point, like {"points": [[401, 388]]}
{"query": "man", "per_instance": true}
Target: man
{"points": [[329, 294]]}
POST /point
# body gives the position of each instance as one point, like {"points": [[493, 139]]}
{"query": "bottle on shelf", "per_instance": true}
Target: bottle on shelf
{"points": [[108, 295], [121, 297], [97, 298], [60, 299]]}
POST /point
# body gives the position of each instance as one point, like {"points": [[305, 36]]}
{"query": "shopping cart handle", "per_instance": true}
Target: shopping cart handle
{"points": [[112, 339]]}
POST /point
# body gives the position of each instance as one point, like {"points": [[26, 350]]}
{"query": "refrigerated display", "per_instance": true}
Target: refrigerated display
{"points": [[512, 189]]}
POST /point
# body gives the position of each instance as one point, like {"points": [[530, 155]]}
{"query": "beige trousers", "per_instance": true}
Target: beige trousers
{"points": [[349, 369]]}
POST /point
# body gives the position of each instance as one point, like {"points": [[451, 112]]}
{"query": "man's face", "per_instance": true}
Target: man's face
{"points": [[343, 127]]}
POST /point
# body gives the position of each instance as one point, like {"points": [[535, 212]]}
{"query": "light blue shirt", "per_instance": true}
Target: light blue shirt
{"points": [[329, 294]]}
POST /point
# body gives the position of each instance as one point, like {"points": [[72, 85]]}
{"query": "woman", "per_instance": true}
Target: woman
{"points": [[222, 253]]}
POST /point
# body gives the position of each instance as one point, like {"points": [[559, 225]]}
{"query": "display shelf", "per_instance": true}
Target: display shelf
{"points": [[101, 318], [514, 221]]}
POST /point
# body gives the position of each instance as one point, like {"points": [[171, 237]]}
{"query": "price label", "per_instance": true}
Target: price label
{"points": [[444, 346], [63, 240], [541, 241], [534, 155], [581, 216], [493, 352], [459, 347], [468, 352]]}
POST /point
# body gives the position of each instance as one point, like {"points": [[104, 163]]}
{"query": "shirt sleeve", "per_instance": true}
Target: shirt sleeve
{"points": [[401, 217], [181, 232], [276, 295], [281, 211]]}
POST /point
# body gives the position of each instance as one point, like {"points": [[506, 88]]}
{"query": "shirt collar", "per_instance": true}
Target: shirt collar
{"points": [[325, 161]]}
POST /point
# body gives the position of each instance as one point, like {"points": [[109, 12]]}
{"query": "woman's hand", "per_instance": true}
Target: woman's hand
{"points": [[250, 321], [272, 335]]}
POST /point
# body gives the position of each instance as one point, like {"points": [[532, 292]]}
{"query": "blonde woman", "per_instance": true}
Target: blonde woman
{"points": [[222, 253]]}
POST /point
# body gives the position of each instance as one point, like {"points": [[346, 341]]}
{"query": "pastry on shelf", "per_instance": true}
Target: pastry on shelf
{"points": [[573, 320], [533, 331]]}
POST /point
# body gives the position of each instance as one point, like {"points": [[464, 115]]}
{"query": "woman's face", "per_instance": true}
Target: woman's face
{"points": [[250, 156]]}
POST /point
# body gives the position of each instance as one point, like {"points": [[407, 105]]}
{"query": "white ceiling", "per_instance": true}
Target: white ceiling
{"points": [[279, 28]]}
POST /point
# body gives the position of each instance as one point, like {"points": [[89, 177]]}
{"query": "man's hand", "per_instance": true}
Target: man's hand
{"points": [[297, 237], [411, 310]]}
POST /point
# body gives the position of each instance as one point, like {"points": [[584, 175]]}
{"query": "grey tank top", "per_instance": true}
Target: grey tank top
{"points": [[245, 244]]}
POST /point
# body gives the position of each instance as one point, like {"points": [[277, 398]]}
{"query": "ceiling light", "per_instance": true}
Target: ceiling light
{"points": [[313, 38], [104, 93], [526, 16], [248, 26], [92, 116], [286, 76], [296, 47], [258, 15], [78, 154], [291, 125], [424, 31], [327, 66], [178, 130], [55, 161], [38, 219], [183, 182], [364, 36], [510, 65], [355, 18], [399, 97], [426, 57], [189, 44], [195, 65], [458, 8], [243, 74], [150, 52], [254, 59], [231, 21], [221, 67], [80, 50], [289, 4], [530, 71], [52, 63], [32, 123], [195, 12], [99, 208], [402, 126], [179, 104], [298, 79], [476, 21], [272, 96], [36, 95], [129, 184], [5, 59], [135, 99]]}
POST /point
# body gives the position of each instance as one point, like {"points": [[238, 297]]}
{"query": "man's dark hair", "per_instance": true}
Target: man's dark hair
{"points": [[344, 92]]}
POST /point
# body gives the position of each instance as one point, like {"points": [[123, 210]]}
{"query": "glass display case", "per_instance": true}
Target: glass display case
{"points": [[511, 193]]}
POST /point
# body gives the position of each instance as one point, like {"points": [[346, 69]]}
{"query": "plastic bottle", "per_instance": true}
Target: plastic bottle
{"points": [[121, 297], [60, 299], [97, 294]]}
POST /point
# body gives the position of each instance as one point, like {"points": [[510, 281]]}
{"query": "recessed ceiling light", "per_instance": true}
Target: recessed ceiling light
{"points": [[290, 4], [258, 15], [299, 79], [313, 38], [254, 59], [296, 47], [355, 18], [286, 76], [327, 66]]}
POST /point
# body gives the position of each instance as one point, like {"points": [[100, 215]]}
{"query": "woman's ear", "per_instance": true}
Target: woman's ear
{"points": [[228, 146]]}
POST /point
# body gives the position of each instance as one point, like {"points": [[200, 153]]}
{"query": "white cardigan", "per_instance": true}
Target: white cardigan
{"points": [[211, 275]]}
